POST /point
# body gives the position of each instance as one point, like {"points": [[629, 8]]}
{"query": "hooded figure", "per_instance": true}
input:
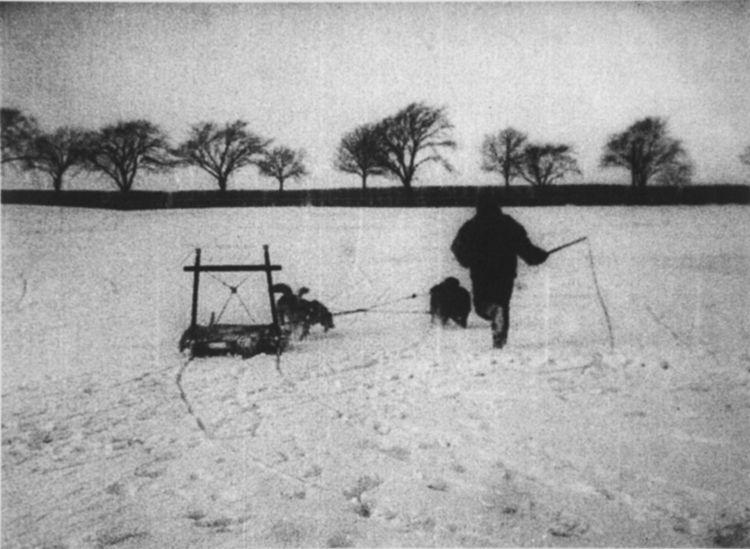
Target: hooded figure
{"points": [[489, 245]]}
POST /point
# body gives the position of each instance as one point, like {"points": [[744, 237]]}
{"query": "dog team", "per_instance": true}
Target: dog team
{"points": [[448, 301], [489, 245]]}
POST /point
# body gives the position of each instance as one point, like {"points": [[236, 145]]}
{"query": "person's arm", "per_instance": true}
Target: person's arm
{"points": [[532, 255], [535, 255]]}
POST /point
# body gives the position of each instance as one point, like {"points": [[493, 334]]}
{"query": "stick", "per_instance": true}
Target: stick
{"points": [[563, 246]]}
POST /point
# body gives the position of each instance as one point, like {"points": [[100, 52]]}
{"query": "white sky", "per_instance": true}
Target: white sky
{"points": [[304, 74]]}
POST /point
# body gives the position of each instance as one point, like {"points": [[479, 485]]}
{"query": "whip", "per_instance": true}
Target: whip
{"points": [[567, 244]]}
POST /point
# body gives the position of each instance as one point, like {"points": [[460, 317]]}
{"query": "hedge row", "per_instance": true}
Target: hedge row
{"points": [[581, 195]]}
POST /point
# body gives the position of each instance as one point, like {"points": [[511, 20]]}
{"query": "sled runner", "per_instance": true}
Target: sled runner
{"points": [[245, 340]]}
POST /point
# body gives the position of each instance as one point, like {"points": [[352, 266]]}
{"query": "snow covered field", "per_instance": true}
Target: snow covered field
{"points": [[385, 431]]}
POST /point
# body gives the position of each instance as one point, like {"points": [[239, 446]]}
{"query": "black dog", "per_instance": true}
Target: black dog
{"points": [[297, 313], [316, 313], [449, 301], [289, 305]]}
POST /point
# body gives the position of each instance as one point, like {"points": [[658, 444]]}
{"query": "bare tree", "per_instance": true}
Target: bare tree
{"points": [[56, 153], [283, 163], [545, 164], [121, 150], [221, 151], [18, 131], [675, 174], [503, 153], [745, 156], [359, 153], [646, 149], [413, 137]]}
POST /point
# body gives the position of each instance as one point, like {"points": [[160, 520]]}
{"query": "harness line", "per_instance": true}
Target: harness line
{"points": [[232, 292], [371, 307]]}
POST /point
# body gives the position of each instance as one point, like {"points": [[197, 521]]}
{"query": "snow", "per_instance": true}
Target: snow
{"points": [[385, 431]]}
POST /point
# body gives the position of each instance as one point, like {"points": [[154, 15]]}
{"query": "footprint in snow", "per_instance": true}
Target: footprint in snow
{"points": [[567, 526]]}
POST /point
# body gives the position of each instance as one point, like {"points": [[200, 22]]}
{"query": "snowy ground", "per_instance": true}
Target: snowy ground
{"points": [[385, 431]]}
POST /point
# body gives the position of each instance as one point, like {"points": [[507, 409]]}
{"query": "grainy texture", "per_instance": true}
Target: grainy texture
{"points": [[385, 431]]}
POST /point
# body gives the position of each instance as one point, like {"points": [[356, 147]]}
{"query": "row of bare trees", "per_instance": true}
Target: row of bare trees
{"points": [[395, 147], [123, 150], [509, 154], [645, 149], [398, 145], [221, 151]]}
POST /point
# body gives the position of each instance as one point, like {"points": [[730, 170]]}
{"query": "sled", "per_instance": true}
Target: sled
{"points": [[245, 340]]}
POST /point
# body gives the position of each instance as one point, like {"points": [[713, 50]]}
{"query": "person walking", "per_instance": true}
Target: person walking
{"points": [[489, 245]]}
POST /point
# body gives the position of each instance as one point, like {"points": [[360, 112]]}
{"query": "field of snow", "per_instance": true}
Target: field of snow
{"points": [[618, 414]]}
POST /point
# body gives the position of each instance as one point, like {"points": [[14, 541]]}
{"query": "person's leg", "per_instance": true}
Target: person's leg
{"points": [[497, 315], [491, 311], [492, 302], [499, 327], [501, 317], [483, 306]]}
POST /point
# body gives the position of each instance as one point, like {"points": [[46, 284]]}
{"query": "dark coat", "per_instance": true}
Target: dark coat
{"points": [[489, 245]]}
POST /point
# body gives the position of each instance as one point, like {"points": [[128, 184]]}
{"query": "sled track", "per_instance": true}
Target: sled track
{"points": [[601, 299], [255, 459], [311, 398], [372, 361], [184, 397]]}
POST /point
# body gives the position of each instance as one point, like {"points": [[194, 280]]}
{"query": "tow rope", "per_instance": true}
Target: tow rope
{"points": [[371, 307]]}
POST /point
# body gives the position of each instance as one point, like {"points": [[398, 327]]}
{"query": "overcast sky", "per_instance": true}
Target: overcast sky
{"points": [[304, 74]]}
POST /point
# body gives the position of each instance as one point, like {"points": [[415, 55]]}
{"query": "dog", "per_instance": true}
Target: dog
{"points": [[317, 313], [299, 314], [449, 301], [289, 306]]}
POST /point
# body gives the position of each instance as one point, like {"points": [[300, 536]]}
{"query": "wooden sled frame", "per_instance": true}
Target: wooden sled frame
{"points": [[245, 340]]}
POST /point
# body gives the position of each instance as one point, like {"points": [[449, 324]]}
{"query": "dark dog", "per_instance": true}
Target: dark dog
{"points": [[316, 313], [288, 306], [299, 314], [449, 301]]}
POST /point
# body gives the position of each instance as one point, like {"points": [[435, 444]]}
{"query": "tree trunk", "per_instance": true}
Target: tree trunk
{"points": [[281, 185], [406, 180], [364, 181], [642, 178], [57, 181], [127, 180], [222, 182]]}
